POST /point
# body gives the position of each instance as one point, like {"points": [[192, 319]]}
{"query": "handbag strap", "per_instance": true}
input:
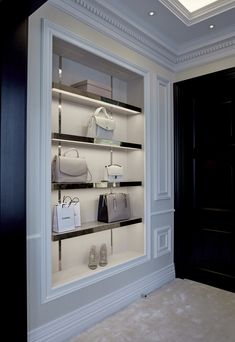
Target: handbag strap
{"points": [[102, 110], [70, 150], [65, 203], [75, 200]]}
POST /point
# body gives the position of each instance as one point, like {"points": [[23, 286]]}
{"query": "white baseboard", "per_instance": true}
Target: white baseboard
{"points": [[72, 324]]}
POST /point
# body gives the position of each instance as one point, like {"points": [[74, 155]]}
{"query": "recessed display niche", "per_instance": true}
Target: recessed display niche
{"points": [[82, 82]]}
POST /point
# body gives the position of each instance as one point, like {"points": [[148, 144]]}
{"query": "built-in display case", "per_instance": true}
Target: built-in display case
{"points": [[70, 113]]}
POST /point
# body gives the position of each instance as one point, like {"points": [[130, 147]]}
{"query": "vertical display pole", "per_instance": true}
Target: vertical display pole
{"points": [[111, 81], [111, 241], [60, 255], [59, 151], [60, 116]]}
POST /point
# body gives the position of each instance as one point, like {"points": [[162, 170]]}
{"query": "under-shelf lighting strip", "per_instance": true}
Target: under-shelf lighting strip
{"points": [[98, 102]]}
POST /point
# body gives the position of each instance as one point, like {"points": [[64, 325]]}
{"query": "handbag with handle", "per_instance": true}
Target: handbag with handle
{"points": [[101, 124], [113, 173], [114, 207], [63, 218], [68, 169], [66, 215]]}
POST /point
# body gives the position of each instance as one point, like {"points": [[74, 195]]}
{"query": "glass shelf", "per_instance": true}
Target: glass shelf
{"points": [[93, 227], [95, 141], [82, 97], [95, 185]]}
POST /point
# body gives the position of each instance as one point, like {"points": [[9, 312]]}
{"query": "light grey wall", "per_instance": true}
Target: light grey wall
{"points": [[159, 170]]}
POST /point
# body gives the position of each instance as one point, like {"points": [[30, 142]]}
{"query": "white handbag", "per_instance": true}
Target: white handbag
{"points": [[113, 173], [67, 169], [101, 124]]}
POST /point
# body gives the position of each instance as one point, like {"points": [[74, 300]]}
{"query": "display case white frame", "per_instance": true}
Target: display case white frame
{"points": [[40, 151]]}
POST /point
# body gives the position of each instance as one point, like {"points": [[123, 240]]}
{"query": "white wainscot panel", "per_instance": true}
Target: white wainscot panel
{"points": [[162, 241], [162, 151]]}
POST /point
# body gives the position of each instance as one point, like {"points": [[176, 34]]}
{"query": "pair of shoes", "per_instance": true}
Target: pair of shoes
{"points": [[93, 257]]}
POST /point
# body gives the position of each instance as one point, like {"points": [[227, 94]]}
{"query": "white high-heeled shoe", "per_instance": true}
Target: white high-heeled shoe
{"points": [[103, 255], [93, 258]]}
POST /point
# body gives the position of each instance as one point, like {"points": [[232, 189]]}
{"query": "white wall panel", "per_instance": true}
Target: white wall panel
{"points": [[161, 241], [162, 129]]}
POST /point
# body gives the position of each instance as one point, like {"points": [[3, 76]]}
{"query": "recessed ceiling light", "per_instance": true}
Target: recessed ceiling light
{"points": [[211, 26], [151, 13]]}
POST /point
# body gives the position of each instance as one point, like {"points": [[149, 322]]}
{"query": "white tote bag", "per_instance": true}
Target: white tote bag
{"points": [[63, 218], [101, 124], [76, 210]]}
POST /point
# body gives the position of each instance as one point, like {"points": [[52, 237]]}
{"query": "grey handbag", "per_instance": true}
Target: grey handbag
{"points": [[114, 207], [101, 124], [67, 169]]}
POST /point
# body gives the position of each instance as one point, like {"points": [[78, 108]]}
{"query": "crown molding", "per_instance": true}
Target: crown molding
{"points": [[191, 18], [206, 54], [102, 19]]}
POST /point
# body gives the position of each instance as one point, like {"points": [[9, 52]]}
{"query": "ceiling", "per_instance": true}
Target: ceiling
{"points": [[170, 23], [174, 37]]}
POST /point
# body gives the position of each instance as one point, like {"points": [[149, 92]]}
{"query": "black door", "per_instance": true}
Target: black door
{"points": [[205, 179]]}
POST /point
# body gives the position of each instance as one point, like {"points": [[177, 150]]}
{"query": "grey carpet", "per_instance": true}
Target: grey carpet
{"points": [[180, 311]]}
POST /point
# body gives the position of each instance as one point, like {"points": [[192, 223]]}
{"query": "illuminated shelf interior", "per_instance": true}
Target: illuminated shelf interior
{"points": [[71, 93]]}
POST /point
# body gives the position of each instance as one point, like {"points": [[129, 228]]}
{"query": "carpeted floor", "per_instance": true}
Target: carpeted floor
{"points": [[180, 311]]}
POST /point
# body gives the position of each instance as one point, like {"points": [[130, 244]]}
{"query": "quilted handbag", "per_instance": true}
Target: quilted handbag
{"points": [[68, 169], [101, 124], [113, 173]]}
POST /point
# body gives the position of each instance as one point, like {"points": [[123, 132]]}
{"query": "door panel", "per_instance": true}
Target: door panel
{"points": [[204, 178]]}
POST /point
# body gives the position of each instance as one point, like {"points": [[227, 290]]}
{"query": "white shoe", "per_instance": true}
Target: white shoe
{"points": [[103, 255], [93, 258]]}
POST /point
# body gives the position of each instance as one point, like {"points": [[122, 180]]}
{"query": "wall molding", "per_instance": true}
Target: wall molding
{"points": [[74, 323], [162, 241], [211, 52], [162, 185], [100, 17], [163, 212]]}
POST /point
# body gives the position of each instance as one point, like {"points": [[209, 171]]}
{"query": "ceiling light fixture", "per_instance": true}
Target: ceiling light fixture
{"points": [[193, 6], [211, 26], [151, 13]]}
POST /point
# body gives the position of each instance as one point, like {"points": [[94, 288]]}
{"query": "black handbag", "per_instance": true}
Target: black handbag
{"points": [[114, 207]]}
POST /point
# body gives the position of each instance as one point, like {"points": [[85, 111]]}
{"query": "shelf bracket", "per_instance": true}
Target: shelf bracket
{"points": [[111, 240]]}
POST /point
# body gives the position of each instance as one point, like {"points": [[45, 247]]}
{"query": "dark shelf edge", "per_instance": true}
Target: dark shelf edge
{"points": [[97, 185], [93, 96], [95, 229], [98, 141]]}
